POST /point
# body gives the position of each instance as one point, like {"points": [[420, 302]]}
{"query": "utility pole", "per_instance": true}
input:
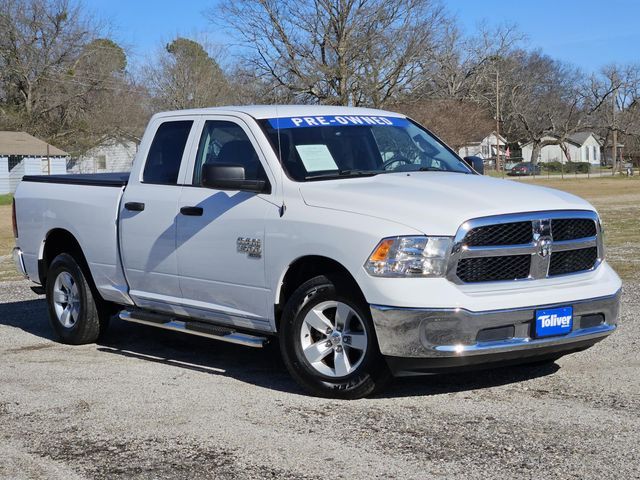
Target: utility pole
{"points": [[498, 166], [615, 134]]}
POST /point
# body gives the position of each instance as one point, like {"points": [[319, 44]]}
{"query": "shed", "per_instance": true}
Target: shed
{"points": [[23, 154]]}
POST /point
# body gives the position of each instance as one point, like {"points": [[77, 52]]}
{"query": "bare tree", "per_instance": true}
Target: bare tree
{"points": [[58, 78], [41, 39], [463, 64], [612, 99], [347, 52], [540, 100]]}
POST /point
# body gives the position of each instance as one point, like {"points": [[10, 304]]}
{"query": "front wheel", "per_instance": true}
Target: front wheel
{"points": [[328, 342]]}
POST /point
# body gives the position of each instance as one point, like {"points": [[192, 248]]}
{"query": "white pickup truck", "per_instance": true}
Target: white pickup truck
{"points": [[355, 237]]}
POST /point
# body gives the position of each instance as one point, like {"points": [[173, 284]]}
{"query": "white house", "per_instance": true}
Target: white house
{"points": [[581, 147], [22, 154], [484, 147], [109, 156]]}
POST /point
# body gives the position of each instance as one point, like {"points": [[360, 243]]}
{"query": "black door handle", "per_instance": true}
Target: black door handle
{"points": [[134, 206], [192, 211]]}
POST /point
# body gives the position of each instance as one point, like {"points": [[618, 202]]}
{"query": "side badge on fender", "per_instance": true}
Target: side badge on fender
{"points": [[250, 246]]}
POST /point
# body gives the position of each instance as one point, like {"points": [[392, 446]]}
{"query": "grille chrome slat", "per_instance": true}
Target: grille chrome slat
{"points": [[575, 244], [499, 251], [480, 254]]}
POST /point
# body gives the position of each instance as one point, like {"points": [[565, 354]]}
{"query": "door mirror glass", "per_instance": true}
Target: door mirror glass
{"points": [[476, 163], [229, 177]]}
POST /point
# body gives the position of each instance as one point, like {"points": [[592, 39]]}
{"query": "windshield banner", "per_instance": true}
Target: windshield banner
{"points": [[337, 121]]}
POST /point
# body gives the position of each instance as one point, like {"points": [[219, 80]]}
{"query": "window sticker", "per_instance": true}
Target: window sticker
{"points": [[316, 158], [337, 121]]}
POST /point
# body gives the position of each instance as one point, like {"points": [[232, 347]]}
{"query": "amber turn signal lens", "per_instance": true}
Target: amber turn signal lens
{"points": [[382, 251]]}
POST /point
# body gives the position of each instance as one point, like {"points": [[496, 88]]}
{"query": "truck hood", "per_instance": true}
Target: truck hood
{"points": [[435, 203]]}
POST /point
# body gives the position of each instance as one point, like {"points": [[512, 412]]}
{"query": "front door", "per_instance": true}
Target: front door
{"points": [[220, 242]]}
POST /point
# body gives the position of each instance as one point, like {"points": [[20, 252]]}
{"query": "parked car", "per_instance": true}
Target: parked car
{"points": [[353, 237], [524, 169]]}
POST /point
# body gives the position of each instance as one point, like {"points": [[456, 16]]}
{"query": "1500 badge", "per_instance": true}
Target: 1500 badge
{"points": [[250, 246]]}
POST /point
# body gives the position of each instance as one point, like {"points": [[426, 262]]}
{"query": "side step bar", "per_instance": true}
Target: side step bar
{"points": [[192, 327]]}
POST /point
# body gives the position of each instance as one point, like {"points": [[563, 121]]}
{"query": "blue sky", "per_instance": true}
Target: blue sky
{"points": [[587, 33]]}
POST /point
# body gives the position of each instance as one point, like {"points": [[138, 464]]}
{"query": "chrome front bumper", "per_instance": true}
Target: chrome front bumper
{"points": [[465, 337], [19, 261]]}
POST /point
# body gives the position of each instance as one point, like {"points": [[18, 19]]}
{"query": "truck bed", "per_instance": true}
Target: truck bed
{"points": [[81, 206], [119, 179]]}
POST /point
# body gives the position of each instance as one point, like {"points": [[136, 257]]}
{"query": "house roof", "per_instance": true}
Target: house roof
{"points": [[479, 136], [577, 138], [21, 143], [581, 137]]}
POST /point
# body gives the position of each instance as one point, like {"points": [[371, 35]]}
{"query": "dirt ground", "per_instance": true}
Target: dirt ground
{"points": [[147, 404]]}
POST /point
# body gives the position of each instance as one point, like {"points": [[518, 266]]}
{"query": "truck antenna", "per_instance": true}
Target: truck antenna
{"points": [[283, 207]]}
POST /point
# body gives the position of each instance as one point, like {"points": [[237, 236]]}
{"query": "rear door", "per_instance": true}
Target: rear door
{"points": [[221, 233], [149, 216]]}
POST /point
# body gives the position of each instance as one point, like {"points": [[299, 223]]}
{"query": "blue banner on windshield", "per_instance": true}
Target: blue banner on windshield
{"points": [[338, 121]]}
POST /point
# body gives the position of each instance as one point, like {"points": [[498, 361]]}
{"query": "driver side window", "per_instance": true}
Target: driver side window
{"points": [[226, 142]]}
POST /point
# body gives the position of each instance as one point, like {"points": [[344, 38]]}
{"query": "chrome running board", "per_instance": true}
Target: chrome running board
{"points": [[192, 327]]}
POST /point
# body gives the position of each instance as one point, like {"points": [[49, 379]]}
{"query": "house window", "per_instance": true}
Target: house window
{"points": [[595, 153], [587, 153], [101, 162]]}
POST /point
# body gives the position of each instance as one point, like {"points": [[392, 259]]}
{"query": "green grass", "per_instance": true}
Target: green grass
{"points": [[6, 199]]}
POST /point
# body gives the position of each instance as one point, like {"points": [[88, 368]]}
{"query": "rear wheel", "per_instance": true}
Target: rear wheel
{"points": [[74, 311], [328, 342]]}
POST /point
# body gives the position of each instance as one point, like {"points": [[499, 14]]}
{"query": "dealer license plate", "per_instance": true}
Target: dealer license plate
{"points": [[554, 321]]}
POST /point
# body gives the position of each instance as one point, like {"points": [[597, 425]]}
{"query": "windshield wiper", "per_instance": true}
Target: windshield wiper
{"points": [[433, 169], [344, 174]]}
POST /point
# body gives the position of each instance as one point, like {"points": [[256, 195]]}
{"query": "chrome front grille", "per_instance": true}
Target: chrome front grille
{"points": [[525, 246]]}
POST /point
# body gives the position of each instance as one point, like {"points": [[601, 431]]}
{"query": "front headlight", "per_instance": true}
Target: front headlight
{"points": [[410, 257]]}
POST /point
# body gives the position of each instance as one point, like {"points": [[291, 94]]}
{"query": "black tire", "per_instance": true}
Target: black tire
{"points": [[92, 315], [371, 375]]}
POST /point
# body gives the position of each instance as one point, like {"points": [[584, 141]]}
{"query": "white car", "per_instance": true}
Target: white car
{"points": [[355, 237]]}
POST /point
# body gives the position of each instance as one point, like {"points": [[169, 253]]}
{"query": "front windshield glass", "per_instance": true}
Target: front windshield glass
{"points": [[326, 147]]}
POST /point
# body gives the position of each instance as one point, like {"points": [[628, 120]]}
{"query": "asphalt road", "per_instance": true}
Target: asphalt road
{"points": [[147, 403]]}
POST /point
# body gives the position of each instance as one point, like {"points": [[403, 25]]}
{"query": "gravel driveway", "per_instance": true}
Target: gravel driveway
{"points": [[146, 403]]}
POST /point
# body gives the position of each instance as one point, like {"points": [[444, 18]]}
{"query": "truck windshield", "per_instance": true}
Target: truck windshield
{"points": [[329, 147]]}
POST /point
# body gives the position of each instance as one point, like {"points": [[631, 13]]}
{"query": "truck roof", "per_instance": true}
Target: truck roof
{"points": [[280, 111]]}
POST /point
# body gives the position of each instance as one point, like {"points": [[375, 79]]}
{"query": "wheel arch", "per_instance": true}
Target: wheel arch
{"points": [[57, 241], [305, 268]]}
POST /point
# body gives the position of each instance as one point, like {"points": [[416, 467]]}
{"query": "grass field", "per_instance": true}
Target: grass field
{"points": [[617, 200], [7, 270], [6, 199]]}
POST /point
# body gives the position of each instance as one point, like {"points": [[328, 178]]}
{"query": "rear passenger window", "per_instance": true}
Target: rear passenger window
{"points": [[165, 153]]}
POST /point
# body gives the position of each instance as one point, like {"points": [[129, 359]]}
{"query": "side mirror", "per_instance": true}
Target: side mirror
{"points": [[476, 163], [229, 177]]}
